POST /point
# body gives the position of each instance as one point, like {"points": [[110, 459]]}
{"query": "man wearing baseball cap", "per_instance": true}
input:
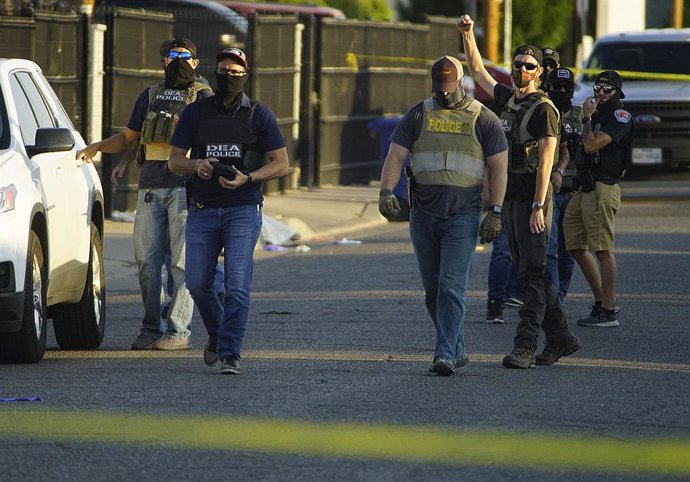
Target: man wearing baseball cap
{"points": [[560, 86], [452, 140], [531, 124], [235, 144], [601, 161], [161, 213]]}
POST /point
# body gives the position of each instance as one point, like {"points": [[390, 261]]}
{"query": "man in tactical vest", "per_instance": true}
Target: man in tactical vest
{"points": [[531, 123], [162, 202], [601, 160], [235, 145], [452, 140], [559, 262]]}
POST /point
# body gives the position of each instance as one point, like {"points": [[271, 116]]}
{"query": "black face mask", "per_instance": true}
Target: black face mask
{"points": [[561, 99], [611, 104], [179, 74], [450, 100], [229, 87]]}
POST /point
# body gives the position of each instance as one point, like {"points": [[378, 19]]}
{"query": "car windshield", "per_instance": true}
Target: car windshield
{"points": [[4, 124], [655, 57]]}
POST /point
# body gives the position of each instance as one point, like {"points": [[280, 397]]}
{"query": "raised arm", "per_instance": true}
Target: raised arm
{"points": [[475, 64]]}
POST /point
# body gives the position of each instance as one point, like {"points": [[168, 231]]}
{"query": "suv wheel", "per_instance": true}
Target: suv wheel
{"points": [[29, 344], [82, 325]]}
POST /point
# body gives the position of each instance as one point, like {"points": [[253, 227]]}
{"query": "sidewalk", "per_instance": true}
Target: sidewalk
{"points": [[326, 212]]}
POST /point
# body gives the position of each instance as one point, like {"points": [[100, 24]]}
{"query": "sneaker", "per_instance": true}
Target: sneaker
{"points": [[173, 341], [144, 341], [230, 366], [463, 361], [553, 351], [520, 357], [512, 303], [600, 317], [211, 353], [443, 367], [494, 311]]}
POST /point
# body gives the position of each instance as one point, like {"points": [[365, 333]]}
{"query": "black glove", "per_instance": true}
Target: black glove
{"points": [[389, 206], [490, 227]]}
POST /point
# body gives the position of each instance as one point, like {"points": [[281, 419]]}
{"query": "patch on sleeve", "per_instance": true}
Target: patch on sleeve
{"points": [[622, 116]]}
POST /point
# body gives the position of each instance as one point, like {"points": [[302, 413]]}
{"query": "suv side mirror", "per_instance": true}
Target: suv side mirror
{"points": [[51, 140]]}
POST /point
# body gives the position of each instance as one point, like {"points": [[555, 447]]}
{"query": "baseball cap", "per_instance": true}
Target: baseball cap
{"points": [[612, 78], [445, 74], [561, 74], [552, 54], [181, 43], [233, 53], [529, 50]]}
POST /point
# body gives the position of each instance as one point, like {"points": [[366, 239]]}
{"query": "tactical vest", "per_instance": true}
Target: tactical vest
{"points": [[165, 106], [572, 126], [523, 150], [448, 152]]}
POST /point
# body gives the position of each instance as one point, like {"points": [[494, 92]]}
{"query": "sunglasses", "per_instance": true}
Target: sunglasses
{"points": [[550, 65], [232, 72], [606, 89], [174, 54], [517, 65], [561, 86]]}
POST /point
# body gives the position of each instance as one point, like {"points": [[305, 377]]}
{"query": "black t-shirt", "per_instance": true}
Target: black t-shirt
{"points": [[618, 124], [543, 123], [446, 201]]}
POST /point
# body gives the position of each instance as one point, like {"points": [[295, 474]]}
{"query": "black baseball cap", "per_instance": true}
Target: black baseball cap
{"points": [[529, 50], [181, 43], [612, 78], [548, 53], [561, 74], [445, 74]]}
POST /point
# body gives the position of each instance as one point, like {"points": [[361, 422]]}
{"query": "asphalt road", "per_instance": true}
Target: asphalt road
{"points": [[335, 382]]}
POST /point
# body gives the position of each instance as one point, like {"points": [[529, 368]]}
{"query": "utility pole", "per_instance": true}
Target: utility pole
{"points": [[677, 14], [492, 17], [507, 31]]}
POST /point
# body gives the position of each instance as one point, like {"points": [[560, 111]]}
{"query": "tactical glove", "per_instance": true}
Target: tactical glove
{"points": [[388, 205], [490, 228]]}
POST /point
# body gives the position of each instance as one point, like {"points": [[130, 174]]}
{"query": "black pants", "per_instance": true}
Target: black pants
{"points": [[541, 307]]}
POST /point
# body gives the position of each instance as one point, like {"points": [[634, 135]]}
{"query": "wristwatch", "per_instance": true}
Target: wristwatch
{"points": [[559, 170], [537, 205], [250, 179], [586, 119], [496, 209]]}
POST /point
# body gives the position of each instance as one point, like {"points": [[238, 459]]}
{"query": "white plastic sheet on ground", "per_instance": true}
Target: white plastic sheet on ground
{"points": [[276, 232]]}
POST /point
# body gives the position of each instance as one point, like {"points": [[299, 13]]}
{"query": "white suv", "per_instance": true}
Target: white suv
{"points": [[51, 223]]}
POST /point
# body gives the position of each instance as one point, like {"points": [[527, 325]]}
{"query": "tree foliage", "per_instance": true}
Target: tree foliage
{"points": [[534, 21]]}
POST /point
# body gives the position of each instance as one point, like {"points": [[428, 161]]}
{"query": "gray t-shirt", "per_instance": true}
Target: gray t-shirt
{"points": [[447, 201]]}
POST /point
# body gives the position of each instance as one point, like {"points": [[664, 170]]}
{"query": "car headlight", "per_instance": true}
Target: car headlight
{"points": [[8, 197]]}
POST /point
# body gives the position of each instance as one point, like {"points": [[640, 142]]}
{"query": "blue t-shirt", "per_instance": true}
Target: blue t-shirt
{"points": [[264, 126], [155, 173], [446, 201]]}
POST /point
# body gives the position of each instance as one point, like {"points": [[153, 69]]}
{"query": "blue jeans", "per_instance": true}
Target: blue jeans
{"points": [[559, 262], [158, 224], [218, 280], [209, 230], [503, 274], [445, 250]]}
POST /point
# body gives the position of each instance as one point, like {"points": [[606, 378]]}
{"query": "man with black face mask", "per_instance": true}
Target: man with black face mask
{"points": [[235, 145], [603, 158], [560, 86], [531, 124], [162, 202], [452, 140]]}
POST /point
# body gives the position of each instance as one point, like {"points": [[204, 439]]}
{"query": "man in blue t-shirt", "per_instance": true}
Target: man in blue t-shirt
{"points": [[162, 202], [235, 145], [451, 139]]}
